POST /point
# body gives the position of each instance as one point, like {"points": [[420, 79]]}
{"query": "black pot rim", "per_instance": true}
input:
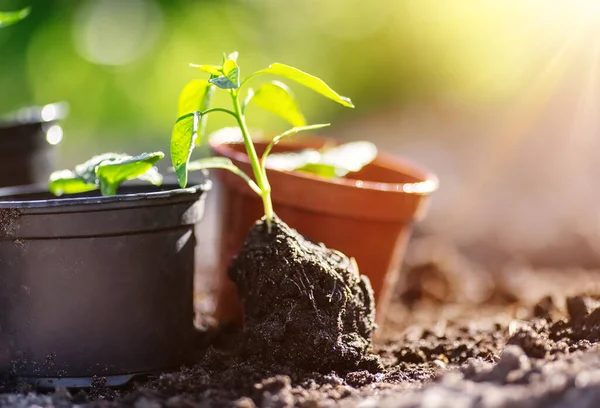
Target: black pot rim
{"points": [[32, 114], [204, 186]]}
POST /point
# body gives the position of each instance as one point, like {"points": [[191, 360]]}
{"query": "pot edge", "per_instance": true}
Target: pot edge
{"points": [[202, 187], [429, 182]]}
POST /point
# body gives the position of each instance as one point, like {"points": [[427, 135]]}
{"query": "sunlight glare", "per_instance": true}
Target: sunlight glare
{"points": [[54, 135], [49, 113]]}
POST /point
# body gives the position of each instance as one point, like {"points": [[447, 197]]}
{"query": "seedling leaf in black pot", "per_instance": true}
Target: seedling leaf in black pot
{"points": [[112, 173], [106, 172]]}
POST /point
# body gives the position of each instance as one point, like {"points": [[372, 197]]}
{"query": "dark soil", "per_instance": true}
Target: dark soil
{"points": [[9, 218], [304, 304], [437, 350]]}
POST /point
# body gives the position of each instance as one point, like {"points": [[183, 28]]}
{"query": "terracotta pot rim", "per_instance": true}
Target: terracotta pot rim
{"points": [[428, 181]]}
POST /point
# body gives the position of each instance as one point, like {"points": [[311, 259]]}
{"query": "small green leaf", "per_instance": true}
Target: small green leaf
{"points": [[211, 69], [351, 156], [111, 173], [323, 170], [11, 17], [310, 81], [152, 176], [67, 182], [333, 162], [183, 141], [289, 161], [87, 170], [230, 78], [106, 171], [223, 163], [278, 99]]}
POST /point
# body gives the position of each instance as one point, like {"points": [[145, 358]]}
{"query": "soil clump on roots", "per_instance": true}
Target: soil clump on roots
{"points": [[304, 304]]}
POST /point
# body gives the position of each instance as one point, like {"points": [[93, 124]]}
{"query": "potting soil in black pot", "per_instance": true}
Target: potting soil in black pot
{"points": [[304, 304]]}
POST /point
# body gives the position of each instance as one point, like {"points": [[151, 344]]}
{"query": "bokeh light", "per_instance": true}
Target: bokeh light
{"points": [[115, 32], [54, 134]]}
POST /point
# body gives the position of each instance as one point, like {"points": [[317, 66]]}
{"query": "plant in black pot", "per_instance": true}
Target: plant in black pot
{"points": [[96, 277], [294, 292]]}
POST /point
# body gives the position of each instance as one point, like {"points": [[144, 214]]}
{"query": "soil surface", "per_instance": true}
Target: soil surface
{"points": [[531, 341]]}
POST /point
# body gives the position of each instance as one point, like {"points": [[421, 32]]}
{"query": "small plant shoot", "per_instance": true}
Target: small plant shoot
{"points": [[274, 96], [106, 172], [8, 18]]}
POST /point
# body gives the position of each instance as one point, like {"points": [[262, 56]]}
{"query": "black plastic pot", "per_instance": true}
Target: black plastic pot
{"points": [[96, 286], [27, 156]]}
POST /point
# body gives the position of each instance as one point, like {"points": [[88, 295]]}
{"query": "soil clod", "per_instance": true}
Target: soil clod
{"points": [[9, 221], [304, 304]]}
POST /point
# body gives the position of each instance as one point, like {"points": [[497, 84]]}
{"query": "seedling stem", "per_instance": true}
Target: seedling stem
{"points": [[259, 172]]}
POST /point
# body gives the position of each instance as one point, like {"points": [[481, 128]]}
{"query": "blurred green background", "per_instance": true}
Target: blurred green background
{"points": [[120, 64]]}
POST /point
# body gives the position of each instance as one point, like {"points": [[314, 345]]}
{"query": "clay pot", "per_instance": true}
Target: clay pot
{"points": [[367, 215]]}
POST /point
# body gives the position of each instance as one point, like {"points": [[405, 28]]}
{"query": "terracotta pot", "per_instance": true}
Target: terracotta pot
{"points": [[367, 215]]}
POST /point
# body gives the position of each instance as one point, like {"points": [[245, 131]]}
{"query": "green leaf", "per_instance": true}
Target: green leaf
{"points": [[87, 170], [223, 163], [334, 162], [289, 161], [11, 17], [106, 171], [322, 169], [67, 182], [278, 99], [152, 176], [183, 141], [197, 96], [111, 173], [230, 79], [310, 81], [211, 69], [351, 156]]}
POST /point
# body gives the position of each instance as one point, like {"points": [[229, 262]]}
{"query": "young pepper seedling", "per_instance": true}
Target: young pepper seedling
{"points": [[106, 172], [274, 96]]}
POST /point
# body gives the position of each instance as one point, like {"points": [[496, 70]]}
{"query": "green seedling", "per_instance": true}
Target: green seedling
{"points": [[330, 162], [8, 18], [106, 172], [274, 96]]}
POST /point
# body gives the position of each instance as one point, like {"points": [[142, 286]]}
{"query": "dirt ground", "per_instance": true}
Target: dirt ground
{"points": [[453, 338]]}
